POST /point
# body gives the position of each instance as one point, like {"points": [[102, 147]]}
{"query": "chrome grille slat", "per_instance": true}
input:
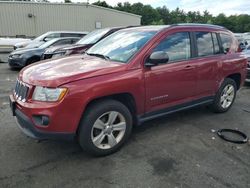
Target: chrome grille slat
{"points": [[21, 91]]}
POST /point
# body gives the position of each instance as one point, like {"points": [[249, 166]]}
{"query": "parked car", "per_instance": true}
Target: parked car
{"points": [[48, 36], [131, 76], [82, 45], [247, 54], [7, 46], [26, 56]]}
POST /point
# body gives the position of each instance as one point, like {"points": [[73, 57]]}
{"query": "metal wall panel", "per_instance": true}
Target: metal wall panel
{"points": [[14, 19]]}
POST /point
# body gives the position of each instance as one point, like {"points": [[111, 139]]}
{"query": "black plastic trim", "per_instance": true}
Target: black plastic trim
{"points": [[28, 128], [173, 109]]}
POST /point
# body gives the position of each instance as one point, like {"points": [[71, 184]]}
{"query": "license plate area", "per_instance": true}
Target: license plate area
{"points": [[12, 105]]}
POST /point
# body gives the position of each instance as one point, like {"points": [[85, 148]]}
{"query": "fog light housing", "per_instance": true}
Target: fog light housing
{"points": [[41, 120]]}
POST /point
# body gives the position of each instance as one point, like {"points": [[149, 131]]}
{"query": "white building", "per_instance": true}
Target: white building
{"points": [[32, 19]]}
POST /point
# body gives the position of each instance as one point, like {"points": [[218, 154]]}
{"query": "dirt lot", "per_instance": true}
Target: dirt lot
{"points": [[174, 151]]}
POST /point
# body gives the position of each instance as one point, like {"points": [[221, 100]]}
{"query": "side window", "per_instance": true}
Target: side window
{"points": [[177, 46], [216, 44], [73, 41], [72, 35], [52, 36], [226, 41], [204, 43]]}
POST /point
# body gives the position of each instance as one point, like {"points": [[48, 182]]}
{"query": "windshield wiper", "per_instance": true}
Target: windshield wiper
{"points": [[99, 55]]}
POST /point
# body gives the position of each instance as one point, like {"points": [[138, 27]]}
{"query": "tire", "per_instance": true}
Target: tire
{"points": [[98, 132], [32, 60], [223, 101]]}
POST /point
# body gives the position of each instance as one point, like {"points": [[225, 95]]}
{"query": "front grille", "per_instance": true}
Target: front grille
{"points": [[248, 74], [21, 91], [47, 56]]}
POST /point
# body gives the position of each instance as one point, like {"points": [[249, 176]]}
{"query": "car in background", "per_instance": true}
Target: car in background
{"points": [[241, 40], [26, 56], [247, 54], [7, 46], [82, 45], [48, 36]]}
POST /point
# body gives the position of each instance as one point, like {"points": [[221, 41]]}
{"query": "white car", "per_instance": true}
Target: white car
{"points": [[48, 36], [247, 54], [7, 46]]}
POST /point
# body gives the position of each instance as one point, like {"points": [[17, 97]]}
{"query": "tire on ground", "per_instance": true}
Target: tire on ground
{"points": [[216, 106], [93, 112]]}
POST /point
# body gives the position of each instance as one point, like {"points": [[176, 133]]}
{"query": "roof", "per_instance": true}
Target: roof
{"points": [[74, 32], [162, 27], [71, 4]]}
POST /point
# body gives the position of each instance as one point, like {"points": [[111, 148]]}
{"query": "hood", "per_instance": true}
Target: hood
{"points": [[34, 44], [53, 73], [57, 48], [25, 50]]}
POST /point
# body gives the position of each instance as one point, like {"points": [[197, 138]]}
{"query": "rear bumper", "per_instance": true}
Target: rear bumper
{"points": [[27, 126]]}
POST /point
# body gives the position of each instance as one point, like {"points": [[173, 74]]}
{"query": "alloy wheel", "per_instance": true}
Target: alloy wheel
{"points": [[227, 96], [108, 130]]}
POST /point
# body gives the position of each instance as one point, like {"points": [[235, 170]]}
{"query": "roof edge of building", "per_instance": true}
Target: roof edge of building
{"points": [[71, 4]]}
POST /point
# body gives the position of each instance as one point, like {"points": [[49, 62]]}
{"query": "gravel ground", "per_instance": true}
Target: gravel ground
{"points": [[176, 151]]}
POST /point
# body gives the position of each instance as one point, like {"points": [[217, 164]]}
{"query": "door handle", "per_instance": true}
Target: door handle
{"points": [[189, 67]]}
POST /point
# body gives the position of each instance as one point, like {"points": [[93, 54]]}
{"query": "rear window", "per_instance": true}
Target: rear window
{"points": [[226, 41]]}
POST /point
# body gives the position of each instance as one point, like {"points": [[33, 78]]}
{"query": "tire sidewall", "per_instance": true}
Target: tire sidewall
{"points": [[88, 120], [217, 103]]}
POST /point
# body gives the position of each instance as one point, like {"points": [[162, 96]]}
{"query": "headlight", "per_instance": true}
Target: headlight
{"points": [[16, 56], [48, 94]]}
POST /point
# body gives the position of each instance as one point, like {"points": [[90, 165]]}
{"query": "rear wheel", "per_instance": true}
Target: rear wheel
{"points": [[225, 97], [104, 128]]}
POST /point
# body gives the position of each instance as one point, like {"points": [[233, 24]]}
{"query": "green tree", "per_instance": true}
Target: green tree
{"points": [[102, 4], [162, 15]]}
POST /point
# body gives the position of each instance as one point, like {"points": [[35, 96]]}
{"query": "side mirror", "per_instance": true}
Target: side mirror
{"points": [[156, 58], [46, 39]]}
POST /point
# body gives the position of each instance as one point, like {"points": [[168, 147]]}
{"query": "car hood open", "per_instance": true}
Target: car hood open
{"points": [[54, 73]]}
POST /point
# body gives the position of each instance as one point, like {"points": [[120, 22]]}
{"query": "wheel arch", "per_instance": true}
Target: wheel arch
{"points": [[35, 57], [237, 78], [126, 99]]}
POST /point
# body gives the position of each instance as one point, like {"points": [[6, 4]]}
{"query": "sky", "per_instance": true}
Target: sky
{"points": [[215, 7]]}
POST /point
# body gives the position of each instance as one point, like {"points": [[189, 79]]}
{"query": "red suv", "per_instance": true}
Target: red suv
{"points": [[132, 76]]}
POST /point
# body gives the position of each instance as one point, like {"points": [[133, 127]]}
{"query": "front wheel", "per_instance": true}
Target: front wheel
{"points": [[104, 128], [225, 97]]}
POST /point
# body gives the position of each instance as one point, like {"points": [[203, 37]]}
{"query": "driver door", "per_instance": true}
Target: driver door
{"points": [[173, 82]]}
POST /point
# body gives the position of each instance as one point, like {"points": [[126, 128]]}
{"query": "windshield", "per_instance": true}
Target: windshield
{"points": [[49, 43], [122, 45], [93, 37], [34, 44], [41, 37]]}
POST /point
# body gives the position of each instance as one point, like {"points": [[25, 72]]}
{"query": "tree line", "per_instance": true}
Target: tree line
{"points": [[164, 16]]}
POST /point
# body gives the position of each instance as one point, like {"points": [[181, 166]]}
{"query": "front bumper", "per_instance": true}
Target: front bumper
{"points": [[248, 75], [27, 126], [17, 63], [47, 56]]}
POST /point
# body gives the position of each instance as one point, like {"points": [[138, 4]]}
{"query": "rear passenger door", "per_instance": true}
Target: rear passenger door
{"points": [[208, 58]]}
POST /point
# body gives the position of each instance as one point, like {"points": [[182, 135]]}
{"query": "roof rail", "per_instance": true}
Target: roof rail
{"points": [[198, 24]]}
